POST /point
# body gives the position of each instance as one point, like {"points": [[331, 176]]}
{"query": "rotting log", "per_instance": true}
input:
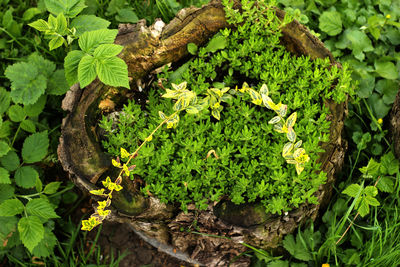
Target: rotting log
{"points": [[146, 49], [395, 125]]}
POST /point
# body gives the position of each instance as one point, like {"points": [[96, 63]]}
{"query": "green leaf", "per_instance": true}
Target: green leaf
{"points": [[45, 67], [11, 207], [4, 176], [71, 63], [126, 16], [371, 191], [28, 125], [42, 208], [31, 231], [363, 208], [113, 71], [36, 108], [107, 50], [5, 130], [360, 43], [40, 25], [372, 201], [4, 100], [296, 249], [89, 41], [389, 164], [51, 188], [16, 113], [352, 190], [87, 70], [45, 248], [372, 168], [57, 84], [386, 69], [86, 23], [35, 147], [386, 184], [27, 85], [10, 161], [216, 43], [378, 106], [56, 42], [70, 8], [192, 48], [26, 176], [8, 226], [331, 22], [6, 192], [62, 24], [4, 148]]}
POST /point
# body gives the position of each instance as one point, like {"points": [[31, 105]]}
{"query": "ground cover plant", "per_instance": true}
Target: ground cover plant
{"points": [[362, 33]]}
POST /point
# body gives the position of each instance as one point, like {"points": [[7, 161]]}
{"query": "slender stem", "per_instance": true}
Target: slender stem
{"points": [[375, 120], [355, 163], [12, 37], [16, 134]]}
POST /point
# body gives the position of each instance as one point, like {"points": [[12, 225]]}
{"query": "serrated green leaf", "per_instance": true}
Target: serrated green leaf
{"points": [[86, 23], [56, 42], [31, 231], [5, 130], [107, 50], [51, 188], [389, 164], [386, 184], [70, 8], [45, 67], [89, 41], [71, 64], [35, 147], [40, 25], [11, 207], [28, 125], [38, 185], [371, 191], [45, 248], [8, 225], [352, 190], [16, 113], [61, 24], [6, 192], [4, 176], [36, 108], [26, 176], [113, 71], [10, 161], [363, 209], [126, 16], [86, 70], [27, 85], [372, 201], [4, 148], [4, 100], [41, 208], [386, 69], [57, 84], [331, 22], [372, 168]]}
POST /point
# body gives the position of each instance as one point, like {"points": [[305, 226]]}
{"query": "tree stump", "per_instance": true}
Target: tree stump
{"points": [[395, 125], [80, 152]]}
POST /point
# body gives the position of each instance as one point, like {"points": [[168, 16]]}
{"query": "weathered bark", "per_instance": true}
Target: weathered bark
{"points": [[146, 49], [395, 125]]}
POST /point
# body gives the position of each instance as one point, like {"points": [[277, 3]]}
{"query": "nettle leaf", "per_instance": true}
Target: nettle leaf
{"points": [[386, 69], [4, 148], [45, 247], [372, 168], [113, 71], [352, 190], [35, 147], [28, 125], [371, 191], [42, 208], [31, 231], [10, 161], [11, 207], [40, 25], [70, 8], [86, 23], [16, 113], [372, 201], [45, 67], [363, 209], [4, 176], [36, 108], [386, 184], [51, 188], [89, 41], [389, 164], [6, 192], [56, 42], [331, 22], [27, 85], [4, 100], [107, 50], [26, 177], [86, 70], [71, 64], [126, 16], [57, 84]]}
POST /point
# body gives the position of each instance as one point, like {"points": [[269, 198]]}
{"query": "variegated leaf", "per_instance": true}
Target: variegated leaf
{"points": [[179, 87], [287, 148], [298, 144], [291, 135], [291, 120], [171, 94], [255, 96], [283, 110], [299, 168], [264, 90], [267, 101], [278, 127], [162, 115], [193, 109], [216, 114], [298, 152], [275, 120]]}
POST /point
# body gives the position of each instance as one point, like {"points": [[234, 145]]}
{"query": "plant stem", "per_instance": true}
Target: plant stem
{"points": [[375, 120], [13, 38]]}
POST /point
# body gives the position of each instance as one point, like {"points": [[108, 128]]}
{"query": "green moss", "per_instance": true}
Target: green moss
{"points": [[250, 166]]}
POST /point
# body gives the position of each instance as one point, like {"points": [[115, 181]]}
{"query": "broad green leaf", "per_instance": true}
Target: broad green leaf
{"points": [[31, 231], [8, 225], [331, 22], [38, 185], [36, 108], [11, 207], [51, 188], [89, 41], [371, 191], [352, 190], [45, 248], [35, 147], [372, 201], [126, 16], [192, 48], [114, 6], [40, 25], [86, 23], [360, 43], [378, 106], [216, 43], [87, 71], [71, 63], [41, 207], [16, 113], [4, 148], [28, 125], [4, 176], [4, 100], [5, 130], [386, 69], [10, 161], [389, 89], [363, 209], [113, 71], [372, 168], [57, 84], [70, 8], [45, 67], [386, 184], [389, 164], [26, 176], [6, 192], [56, 42], [27, 85], [107, 50], [61, 24], [30, 13]]}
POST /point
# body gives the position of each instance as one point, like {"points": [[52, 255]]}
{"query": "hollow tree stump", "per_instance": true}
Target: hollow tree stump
{"points": [[148, 48], [395, 125]]}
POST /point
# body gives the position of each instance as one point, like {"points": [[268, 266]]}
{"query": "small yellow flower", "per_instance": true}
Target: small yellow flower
{"points": [[325, 265], [148, 139], [380, 121], [388, 16]]}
